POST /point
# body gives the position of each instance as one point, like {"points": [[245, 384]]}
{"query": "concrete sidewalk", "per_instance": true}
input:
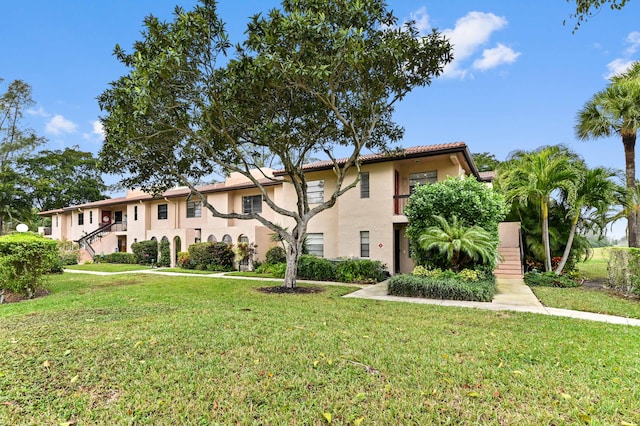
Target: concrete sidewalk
{"points": [[512, 295]]}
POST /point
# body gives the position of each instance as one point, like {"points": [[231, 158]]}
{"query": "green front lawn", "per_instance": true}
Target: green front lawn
{"points": [[595, 269], [151, 349], [588, 300], [107, 267]]}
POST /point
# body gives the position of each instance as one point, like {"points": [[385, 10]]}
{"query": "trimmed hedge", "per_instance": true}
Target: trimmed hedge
{"points": [[25, 258], [451, 288], [211, 256], [549, 279], [120, 257], [360, 271], [311, 267], [146, 252]]}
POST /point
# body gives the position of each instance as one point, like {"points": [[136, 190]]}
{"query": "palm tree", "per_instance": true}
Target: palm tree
{"points": [[591, 208], [534, 176], [460, 244], [616, 111]]}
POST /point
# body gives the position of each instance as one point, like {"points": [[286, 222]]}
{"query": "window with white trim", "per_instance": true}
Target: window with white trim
{"points": [[251, 204], [315, 244], [364, 243], [315, 191], [194, 209]]}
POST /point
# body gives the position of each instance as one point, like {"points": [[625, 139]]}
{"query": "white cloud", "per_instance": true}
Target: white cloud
{"points": [[470, 33], [634, 40], [421, 17], [58, 124], [617, 66], [39, 112], [492, 58], [98, 129], [620, 65]]}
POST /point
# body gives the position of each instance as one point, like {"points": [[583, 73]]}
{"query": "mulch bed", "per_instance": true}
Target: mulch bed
{"points": [[11, 297], [285, 290]]}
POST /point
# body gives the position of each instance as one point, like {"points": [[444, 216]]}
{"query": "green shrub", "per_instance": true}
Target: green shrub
{"points": [[623, 268], [120, 257], [450, 287], [211, 256], [165, 253], [549, 279], [276, 269], [472, 202], [360, 271], [184, 260], [275, 254], [311, 267], [24, 260], [68, 252], [146, 252]]}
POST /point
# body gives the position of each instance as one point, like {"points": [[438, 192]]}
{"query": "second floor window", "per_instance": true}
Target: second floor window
{"points": [[80, 218], [252, 204], [422, 178], [90, 217], [163, 211], [135, 212], [194, 209], [315, 191], [364, 185]]}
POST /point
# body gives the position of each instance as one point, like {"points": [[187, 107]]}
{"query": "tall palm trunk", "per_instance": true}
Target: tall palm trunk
{"points": [[567, 248], [544, 210], [629, 142]]}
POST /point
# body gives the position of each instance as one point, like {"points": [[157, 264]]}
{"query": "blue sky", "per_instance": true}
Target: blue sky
{"points": [[518, 80]]}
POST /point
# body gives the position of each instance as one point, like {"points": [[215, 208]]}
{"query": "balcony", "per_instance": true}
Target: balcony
{"points": [[399, 203]]}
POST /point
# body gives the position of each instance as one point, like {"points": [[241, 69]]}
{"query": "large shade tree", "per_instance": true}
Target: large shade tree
{"points": [[16, 141], [534, 176], [311, 76], [615, 111], [55, 179]]}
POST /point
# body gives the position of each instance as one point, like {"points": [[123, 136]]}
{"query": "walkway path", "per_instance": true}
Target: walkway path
{"points": [[512, 295]]}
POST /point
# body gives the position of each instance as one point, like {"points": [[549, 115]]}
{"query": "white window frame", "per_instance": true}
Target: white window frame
{"points": [[315, 243], [315, 191]]}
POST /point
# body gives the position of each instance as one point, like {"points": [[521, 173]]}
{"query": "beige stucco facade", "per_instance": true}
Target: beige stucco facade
{"points": [[361, 224]]}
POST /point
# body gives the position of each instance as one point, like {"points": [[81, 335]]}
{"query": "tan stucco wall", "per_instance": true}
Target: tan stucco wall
{"points": [[340, 225]]}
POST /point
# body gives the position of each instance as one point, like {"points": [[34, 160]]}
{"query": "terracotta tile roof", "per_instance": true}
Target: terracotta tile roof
{"points": [[411, 152], [414, 151], [171, 193]]}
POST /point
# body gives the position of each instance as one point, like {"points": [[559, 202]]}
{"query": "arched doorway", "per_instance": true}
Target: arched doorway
{"points": [[177, 248]]}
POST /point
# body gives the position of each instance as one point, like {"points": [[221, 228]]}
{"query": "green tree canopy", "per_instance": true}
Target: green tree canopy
{"points": [[471, 202], [55, 179], [16, 140], [311, 76], [587, 8], [485, 161]]}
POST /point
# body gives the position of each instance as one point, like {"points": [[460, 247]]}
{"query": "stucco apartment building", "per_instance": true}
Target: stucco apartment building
{"points": [[366, 222]]}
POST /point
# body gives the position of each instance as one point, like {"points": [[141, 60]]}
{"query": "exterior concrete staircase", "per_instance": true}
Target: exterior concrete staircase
{"points": [[510, 259], [510, 266]]}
